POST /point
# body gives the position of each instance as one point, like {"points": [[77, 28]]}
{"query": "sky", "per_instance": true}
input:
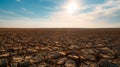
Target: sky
{"points": [[59, 14]]}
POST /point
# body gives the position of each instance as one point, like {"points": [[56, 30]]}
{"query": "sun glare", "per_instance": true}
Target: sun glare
{"points": [[72, 7]]}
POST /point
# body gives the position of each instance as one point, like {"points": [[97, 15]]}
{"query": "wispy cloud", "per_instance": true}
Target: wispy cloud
{"points": [[90, 19], [18, 0], [7, 12], [27, 11], [61, 18], [23, 22]]}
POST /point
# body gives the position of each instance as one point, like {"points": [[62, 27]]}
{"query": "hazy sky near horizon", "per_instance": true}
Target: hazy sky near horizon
{"points": [[60, 13]]}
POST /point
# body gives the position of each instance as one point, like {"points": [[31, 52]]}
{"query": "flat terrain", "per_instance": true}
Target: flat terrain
{"points": [[60, 47]]}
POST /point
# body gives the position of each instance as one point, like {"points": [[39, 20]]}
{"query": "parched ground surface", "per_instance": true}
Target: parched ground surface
{"points": [[59, 47]]}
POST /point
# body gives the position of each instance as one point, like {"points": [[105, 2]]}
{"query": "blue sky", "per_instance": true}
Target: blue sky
{"points": [[59, 13]]}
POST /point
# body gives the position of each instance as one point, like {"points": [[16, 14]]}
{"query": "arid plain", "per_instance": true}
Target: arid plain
{"points": [[60, 47]]}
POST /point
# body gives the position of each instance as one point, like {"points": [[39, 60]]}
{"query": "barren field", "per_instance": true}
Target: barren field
{"points": [[60, 47]]}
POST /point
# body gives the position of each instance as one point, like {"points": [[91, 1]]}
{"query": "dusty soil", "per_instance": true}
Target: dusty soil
{"points": [[60, 47]]}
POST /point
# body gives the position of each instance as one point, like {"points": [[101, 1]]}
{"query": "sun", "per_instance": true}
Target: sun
{"points": [[72, 7]]}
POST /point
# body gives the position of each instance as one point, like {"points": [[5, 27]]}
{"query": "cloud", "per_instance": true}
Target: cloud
{"points": [[27, 11], [113, 7], [18, 0], [24, 9], [61, 19], [87, 20], [45, 23], [24, 22], [7, 12]]}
